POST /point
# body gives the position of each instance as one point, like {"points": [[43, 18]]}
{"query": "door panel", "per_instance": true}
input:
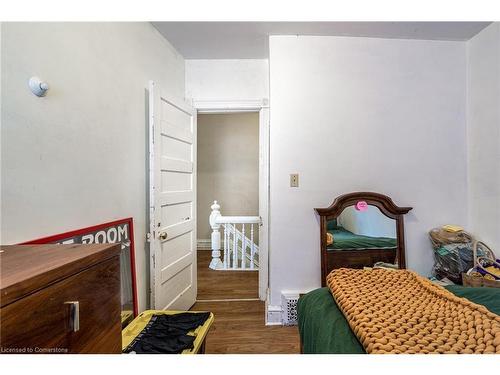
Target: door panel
{"points": [[172, 148], [176, 290], [178, 248], [173, 202], [175, 115], [176, 212], [176, 132], [175, 182], [176, 166]]}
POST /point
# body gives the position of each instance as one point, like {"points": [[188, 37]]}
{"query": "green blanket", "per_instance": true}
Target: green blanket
{"points": [[344, 239], [323, 328]]}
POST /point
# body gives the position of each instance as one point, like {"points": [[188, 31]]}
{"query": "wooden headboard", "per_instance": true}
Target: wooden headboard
{"points": [[331, 259]]}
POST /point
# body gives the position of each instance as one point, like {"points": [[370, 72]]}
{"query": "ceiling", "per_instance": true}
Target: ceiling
{"points": [[249, 40]]}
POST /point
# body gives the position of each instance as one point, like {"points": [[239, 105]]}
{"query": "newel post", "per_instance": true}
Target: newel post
{"points": [[216, 262]]}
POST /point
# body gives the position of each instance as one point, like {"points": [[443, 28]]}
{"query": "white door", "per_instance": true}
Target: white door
{"points": [[172, 201]]}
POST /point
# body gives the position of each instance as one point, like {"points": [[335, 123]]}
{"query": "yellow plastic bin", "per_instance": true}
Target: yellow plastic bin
{"points": [[135, 327]]}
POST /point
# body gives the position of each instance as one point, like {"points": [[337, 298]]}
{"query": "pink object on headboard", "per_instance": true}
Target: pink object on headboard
{"points": [[361, 206]]}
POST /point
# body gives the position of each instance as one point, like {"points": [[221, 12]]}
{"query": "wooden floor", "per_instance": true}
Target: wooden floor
{"points": [[224, 284], [239, 326]]}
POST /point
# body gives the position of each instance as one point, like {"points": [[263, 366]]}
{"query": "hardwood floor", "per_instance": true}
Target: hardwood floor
{"points": [[224, 284], [239, 326]]}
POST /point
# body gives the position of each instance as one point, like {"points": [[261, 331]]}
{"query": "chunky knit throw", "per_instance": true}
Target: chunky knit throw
{"points": [[401, 312]]}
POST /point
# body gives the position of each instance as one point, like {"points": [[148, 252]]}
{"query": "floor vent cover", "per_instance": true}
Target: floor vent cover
{"points": [[289, 305]]}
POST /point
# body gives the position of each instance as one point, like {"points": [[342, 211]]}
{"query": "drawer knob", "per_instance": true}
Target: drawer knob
{"points": [[163, 236], [74, 315]]}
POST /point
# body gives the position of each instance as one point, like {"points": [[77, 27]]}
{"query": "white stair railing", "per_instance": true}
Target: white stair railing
{"points": [[230, 234], [240, 252]]}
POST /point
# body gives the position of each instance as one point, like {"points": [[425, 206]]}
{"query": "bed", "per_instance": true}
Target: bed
{"points": [[322, 325], [323, 328]]}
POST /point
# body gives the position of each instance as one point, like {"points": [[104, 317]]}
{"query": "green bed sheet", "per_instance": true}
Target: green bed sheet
{"points": [[344, 239], [323, 328]]}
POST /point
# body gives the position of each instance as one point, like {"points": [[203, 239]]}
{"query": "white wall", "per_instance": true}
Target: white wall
{"points": [[227, 79], [361, 114], [483, 124], [78, 156]]}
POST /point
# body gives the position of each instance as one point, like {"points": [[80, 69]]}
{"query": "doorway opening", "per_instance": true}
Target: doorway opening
{"points": [[232, 196], [228, 173]]}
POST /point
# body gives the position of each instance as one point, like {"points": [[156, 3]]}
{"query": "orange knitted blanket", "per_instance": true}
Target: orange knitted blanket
{"points": [[401, 312]]}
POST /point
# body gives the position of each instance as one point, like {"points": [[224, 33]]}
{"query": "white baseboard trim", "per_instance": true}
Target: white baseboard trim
{"points": [[202, 244], [274, 315]]}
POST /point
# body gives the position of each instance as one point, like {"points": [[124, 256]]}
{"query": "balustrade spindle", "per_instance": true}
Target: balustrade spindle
{"points": [[226, 244], [243, 247], [252, 247], [235, 248]]}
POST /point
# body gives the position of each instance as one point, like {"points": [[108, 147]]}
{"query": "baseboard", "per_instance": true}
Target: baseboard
{"points": [[204, 244]]}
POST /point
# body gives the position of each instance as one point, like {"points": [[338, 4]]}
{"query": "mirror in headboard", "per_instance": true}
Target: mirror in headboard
{"points": [[360, 229]]}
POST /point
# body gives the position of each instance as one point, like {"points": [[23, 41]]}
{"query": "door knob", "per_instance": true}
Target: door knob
{"points": [[163, 236]]}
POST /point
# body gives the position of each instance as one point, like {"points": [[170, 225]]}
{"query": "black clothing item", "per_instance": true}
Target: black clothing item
{"points": [[167, 334]]}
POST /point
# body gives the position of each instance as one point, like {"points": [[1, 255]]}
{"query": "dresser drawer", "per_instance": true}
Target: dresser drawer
{"points": [[44, 320]]}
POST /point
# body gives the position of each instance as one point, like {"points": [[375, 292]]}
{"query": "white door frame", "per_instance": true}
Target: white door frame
{"points": [[262, 107]]}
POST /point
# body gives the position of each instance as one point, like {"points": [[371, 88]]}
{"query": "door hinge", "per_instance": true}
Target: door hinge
{"points": [[148, 237]]}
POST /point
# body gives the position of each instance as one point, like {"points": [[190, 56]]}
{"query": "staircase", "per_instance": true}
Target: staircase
{"points": [[239, 252]]}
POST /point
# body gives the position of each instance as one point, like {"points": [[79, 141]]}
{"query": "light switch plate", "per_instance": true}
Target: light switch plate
{"points": [[294, 180]]}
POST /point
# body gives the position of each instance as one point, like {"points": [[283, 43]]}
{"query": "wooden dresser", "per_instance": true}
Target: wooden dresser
{"points": [[60, 299]]}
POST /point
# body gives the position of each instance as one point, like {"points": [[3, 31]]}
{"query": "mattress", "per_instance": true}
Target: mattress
{"points": [[323, 328], [344, 239]]}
